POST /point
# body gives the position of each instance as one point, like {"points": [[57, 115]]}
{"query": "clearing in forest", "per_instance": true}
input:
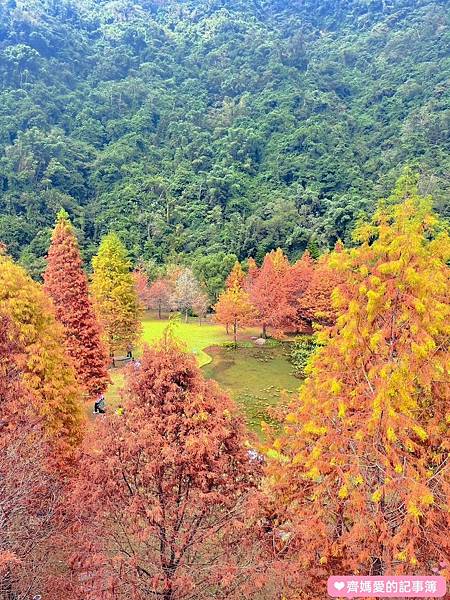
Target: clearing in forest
{"points": [[254, 377]]}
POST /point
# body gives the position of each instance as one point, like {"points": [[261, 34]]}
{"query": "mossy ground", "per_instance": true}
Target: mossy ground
{"points": [[256, 378]]}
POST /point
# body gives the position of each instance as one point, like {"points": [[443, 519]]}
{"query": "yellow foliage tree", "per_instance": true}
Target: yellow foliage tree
{"points": [[360, 475], [47, 371], [115, 295]]}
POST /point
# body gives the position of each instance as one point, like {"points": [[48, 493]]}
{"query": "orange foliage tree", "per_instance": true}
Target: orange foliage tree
{"points": [[252, 274], [299, 280], [360, 477], [234, 306], [30, 497], [66, 283], [314, 304], [47, 371], [270, 293], [165, 498]]}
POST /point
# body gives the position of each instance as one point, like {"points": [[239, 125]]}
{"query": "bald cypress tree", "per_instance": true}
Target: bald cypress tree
{"points": [[46, 371], [115, 296], [67, 285], [359, 474]]}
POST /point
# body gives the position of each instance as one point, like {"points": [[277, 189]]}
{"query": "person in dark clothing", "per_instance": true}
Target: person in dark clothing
{"points": [[100, 406]]}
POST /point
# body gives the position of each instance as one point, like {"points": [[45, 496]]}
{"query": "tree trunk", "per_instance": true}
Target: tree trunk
{"points": [[159, 310], [235, 327], [186, 315], [228, 328], [264, 331]]}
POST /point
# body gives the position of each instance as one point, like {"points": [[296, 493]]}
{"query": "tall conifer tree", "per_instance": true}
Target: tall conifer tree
{"points": [[67, 285], [115, 295], [31, 493], [314, 305], [46, 369], [234, 306], [360, 476], [271, 293]]}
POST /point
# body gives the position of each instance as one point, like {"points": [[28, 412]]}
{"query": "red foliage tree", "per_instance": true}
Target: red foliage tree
{"points": [[315, 304], [164, 498], [66, 283], [299, 278], [159, 295], [30, 494], [271, 293]]}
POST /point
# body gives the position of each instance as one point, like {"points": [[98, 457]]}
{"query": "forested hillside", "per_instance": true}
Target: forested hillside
{"points": [[210, 126]]}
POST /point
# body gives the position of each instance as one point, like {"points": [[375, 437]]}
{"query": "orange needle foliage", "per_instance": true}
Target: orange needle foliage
{"points": [[236, 278], [360, 475], [299, 279], [270, 292], [234, 306], [66, 283], [30, 494], [315, 303], [165, 496], [252, 274], [47, 371]]}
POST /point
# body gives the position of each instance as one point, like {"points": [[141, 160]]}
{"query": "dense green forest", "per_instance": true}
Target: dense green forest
{"points": [[216, 126]]}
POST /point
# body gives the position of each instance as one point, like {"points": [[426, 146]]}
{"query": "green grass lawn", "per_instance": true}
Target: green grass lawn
{"points": [[255, 377], [195, 337]]}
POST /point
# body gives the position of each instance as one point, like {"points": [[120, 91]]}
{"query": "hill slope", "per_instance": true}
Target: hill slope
{"points": [[201, 126]]}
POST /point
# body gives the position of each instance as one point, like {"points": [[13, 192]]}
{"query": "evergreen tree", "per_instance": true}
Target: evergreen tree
{"points": [[115, 296], [360, 476], [67, 285]]}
